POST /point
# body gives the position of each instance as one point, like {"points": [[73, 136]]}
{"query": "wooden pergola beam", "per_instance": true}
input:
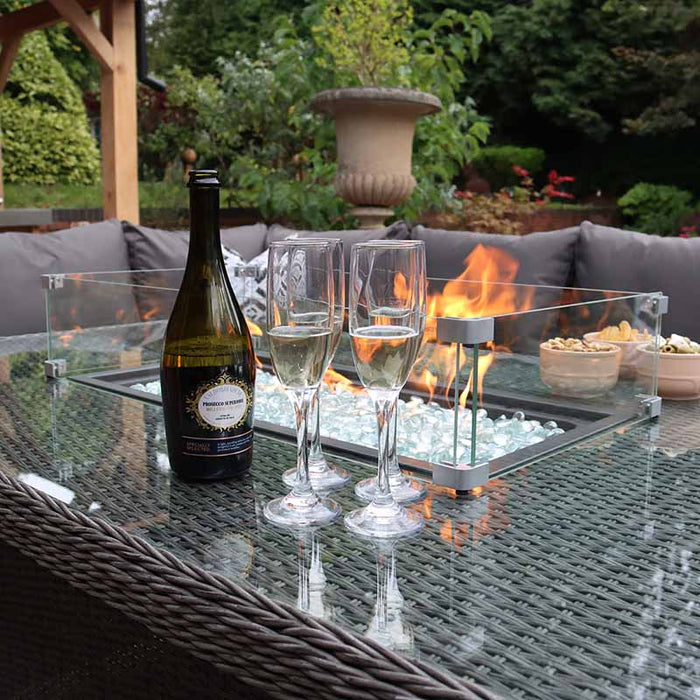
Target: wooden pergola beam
{"points": [[37, 16], [85, 28], [7, 57]]}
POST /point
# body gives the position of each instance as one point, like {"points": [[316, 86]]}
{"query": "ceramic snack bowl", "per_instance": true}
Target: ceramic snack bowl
{"points": [[630, 352], [580, 374], [679, 374]]}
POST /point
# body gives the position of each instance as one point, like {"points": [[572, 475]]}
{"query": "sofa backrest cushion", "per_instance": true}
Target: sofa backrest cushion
{"points": [[24, 257], [611, 258], [397, 231], [155, 249], [544, 258]]}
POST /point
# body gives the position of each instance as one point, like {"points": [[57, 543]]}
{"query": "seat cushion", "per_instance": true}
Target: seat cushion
{"points": [[24, 257], [155, 249], [544, 258], [611, 258]]}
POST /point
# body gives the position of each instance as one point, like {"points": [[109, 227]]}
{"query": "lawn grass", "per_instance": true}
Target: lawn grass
{"points": [[64, 195]]}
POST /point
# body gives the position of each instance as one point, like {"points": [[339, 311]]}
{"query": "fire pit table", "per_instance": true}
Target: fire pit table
{"points": [[572, 577], [482, 399]]}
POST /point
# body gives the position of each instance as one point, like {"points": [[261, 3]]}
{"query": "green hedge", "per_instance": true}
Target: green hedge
{"points": [[495, 164], [45, 133], [656, 209]]}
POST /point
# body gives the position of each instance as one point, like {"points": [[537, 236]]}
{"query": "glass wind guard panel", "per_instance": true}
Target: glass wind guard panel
{"points": [[108, 320], [529, 400]]}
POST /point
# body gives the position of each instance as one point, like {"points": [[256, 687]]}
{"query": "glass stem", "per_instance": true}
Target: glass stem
{"points": [[385, 412], [302, 485], [394, 470], [315, 450]]}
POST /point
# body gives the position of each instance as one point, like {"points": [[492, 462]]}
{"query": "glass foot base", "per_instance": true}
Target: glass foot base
{"points": [[322, 476], [294, 512], [403, 489], [384, 522]]}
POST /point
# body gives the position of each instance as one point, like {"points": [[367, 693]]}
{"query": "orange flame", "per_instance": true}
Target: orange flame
{"points": [[253, 328], [67, 337], [429, 380], [484, 288], [400, 286], [484, 363], [336, 381], [151, 313]]}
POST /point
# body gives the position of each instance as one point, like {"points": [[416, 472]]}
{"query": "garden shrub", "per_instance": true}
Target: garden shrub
{"points": [[495, 164], [45, 133], [655, 208]]}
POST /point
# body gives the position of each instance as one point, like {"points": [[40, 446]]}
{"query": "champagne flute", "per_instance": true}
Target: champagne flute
{"points": [[403, 489], [300, 321], [324, 477], [387, 318]]}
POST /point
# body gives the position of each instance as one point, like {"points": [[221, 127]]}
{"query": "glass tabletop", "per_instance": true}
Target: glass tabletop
{"points": [[574, 577]]}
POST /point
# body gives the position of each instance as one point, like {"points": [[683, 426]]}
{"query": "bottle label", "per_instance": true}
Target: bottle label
{"points": [[221, 404], [224, 406], [216, 447], [217, 420]]}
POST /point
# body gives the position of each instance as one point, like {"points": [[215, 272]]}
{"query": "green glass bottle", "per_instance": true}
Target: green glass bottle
{"points": [[207, 371]]}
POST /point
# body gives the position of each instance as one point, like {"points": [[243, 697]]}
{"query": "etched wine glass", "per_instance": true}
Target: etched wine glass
{"points": [[300, 322], [322, 475], [386, 320]]}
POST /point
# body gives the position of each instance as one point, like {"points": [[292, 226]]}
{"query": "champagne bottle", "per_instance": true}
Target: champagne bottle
{"points": [[207, 371]]}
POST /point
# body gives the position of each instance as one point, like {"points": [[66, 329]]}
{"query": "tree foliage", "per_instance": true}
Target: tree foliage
{"points": [[557, 59], [45, 133], [194, 34], [365, 42], [251, 119]]}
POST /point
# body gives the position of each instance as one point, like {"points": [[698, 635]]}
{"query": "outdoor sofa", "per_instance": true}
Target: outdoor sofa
{"points": [[588, 256]]}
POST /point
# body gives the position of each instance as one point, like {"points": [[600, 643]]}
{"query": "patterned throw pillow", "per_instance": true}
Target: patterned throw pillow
{"points": [[249, 282]]}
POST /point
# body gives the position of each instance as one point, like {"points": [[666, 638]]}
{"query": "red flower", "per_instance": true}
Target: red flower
{"points": [[565, 178], [553, 177], [688, 231], [541, 202], [460, 195], [551, 191], [683, 235], [520, 172]]}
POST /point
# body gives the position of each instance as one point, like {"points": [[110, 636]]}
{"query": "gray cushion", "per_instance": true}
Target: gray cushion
{"points": [[611, 258], [544, 258], [24, 257], [397, 231], [247, 241], [155, 249]]}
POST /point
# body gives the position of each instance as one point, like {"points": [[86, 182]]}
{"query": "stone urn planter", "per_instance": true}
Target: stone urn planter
{"points": [[374, 135]]}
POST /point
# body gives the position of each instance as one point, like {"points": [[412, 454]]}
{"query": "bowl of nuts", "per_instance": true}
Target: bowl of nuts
{"points": [[579, 368], [678, 368], [628, 339]]}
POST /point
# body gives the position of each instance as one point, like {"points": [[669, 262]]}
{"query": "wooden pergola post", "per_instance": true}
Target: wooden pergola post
{"points": [[118, 123], [113, 45]]}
